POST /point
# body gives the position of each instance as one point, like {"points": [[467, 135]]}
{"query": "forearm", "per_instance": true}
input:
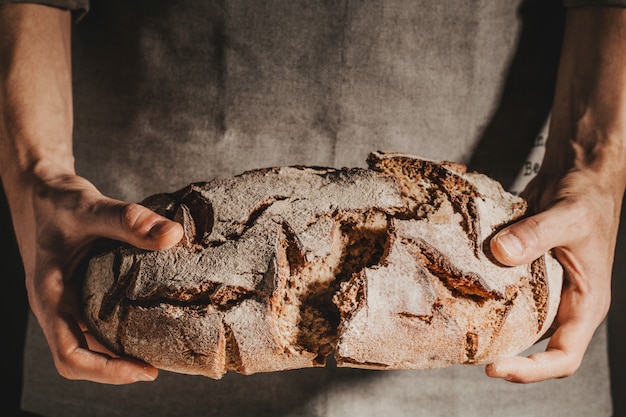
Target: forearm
{"points": [[35, 94], [588, 125]]}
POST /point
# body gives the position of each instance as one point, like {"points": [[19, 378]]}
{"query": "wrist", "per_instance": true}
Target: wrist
{"points": [[19, 178]]}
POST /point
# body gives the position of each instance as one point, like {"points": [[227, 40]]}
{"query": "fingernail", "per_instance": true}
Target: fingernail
{"points": [[161, 228], [510, 244], [144, 377]]}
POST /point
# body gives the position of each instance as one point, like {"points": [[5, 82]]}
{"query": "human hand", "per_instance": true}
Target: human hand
{"points": [[578, 192], [55, 221], [578, 216], [57, 214]]}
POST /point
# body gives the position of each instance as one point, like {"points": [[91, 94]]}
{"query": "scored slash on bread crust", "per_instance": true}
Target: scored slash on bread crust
{"points": [[279, 268]]}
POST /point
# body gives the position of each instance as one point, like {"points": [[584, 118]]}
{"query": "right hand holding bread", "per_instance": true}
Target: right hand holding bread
{"points": [[580, 221], [577, 195]]}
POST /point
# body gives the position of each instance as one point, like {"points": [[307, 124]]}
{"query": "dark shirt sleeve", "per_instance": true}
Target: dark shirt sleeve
{"points": [[579, 3], [79, 6]]}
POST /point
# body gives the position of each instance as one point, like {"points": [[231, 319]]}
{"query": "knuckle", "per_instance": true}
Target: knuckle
{"points": [[524, 377], [66, 373], [524, 380], [532, 232], [130, 216], [567, 373], [570, 367], [66, 367]]}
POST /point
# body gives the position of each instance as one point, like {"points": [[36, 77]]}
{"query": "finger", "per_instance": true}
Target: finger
{"points": [[74, 361], [562, 357], [529, 238], [56, 309], [95, 346], [134, 224]]}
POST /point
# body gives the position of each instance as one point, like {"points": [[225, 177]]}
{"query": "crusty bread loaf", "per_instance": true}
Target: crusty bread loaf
{"points": [[388, 267]]}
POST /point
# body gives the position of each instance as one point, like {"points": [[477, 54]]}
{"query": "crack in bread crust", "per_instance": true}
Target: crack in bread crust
{"points": [[233, 357], [471, 346], [310, 277], [461, 193], [122, 281], [540, 289], [460, 283]]}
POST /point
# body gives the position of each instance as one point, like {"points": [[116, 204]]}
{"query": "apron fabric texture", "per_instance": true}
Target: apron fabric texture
{"points": [[173, 92]]}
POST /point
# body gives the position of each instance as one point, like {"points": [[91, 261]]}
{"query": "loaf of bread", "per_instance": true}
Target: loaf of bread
{"points": [[386, 268]]}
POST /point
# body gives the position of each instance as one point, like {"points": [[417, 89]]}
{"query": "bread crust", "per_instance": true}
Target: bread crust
{"points": [[387, 267]]}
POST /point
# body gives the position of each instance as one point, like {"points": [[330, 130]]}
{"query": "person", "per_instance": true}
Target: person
{"points": [[170, 93]]}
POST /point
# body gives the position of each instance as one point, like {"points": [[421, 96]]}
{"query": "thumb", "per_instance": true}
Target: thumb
{"points": [[528, 239], [133, 224]]}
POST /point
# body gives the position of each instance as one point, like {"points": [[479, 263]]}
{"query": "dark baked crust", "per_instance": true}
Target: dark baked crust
{"points": [[280, 267]]}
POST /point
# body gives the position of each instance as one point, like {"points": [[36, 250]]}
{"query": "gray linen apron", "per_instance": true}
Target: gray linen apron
{"points": [[171, 92]]}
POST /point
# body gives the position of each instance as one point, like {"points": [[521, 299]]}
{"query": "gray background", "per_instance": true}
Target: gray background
{"points": [[509, 98]]}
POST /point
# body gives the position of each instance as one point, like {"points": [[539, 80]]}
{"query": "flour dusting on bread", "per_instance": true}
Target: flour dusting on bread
{"points": [[385, 267]]}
